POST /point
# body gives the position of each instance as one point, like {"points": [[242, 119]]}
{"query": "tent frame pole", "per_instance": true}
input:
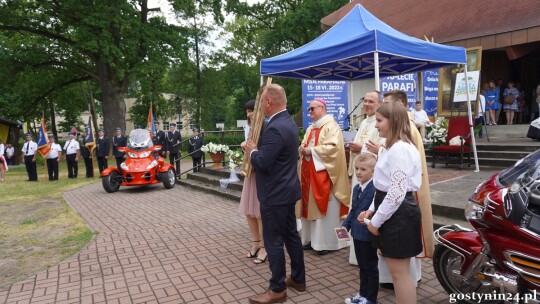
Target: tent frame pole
{"points": [[376, 65], [471, 126]]}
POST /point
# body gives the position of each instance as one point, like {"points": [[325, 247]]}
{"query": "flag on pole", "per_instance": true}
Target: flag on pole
{"points": [[151, 125], [43, 142], [89, 140]]}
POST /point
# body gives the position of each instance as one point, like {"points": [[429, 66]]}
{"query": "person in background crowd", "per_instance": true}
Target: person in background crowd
{"points": [[159, 139], [511, 108], [480, 108], [194, 148], [500, 88], [534, 108], [87, 156], [363, 193], [274, 163], [10, 154], [119, 141], [492, 102], [325, 184], [249, 203], [3, 162], [29, 151], [522, 110], [102, 151], [53, 158], [421, 119], [395, 215], [72, 149], [173, 140]]}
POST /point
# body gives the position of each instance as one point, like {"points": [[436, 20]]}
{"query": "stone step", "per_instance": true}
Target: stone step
{"points": [[223, 172], [525, 147], [213, 179], [493, 163], [231, 194], [516, 155]]}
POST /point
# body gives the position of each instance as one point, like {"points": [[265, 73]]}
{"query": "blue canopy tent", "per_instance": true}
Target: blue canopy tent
{"points": [[360, 46]]}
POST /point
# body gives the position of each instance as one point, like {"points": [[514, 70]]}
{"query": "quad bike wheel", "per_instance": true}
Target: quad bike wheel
{"points": [[111, 182], [169, 179]]}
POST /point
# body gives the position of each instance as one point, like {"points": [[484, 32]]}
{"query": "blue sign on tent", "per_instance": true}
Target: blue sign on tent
{"points": [[405, 82], [335, 95], [431, 91]]}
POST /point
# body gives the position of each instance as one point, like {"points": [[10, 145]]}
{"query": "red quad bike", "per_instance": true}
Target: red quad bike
{"points": [[499, 261], [142, 166]]}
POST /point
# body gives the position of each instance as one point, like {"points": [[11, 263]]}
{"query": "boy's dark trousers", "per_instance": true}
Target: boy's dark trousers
{"points": [[89, 167], [366, 255]]}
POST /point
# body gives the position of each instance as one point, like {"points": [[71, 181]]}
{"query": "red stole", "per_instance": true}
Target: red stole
{"points": [[319, 182]]}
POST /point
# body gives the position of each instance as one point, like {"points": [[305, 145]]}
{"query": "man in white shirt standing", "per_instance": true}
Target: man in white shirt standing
{"points": [[53, 158], [10, 154], [29, 152], [481, 107], [421, 120], [72, 149]]}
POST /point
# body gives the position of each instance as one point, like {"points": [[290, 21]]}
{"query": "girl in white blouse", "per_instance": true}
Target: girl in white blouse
{"points": [[395, 215]]}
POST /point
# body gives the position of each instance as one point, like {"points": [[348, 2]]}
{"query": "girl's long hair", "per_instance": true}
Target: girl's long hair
{"points": [[399, 126]]}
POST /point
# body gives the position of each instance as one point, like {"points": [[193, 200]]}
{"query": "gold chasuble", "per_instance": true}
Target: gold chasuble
{"points": [[423, 196], [326, 140]]}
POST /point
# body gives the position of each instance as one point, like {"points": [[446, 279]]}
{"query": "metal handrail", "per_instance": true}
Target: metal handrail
{"points": [[204, 162]]}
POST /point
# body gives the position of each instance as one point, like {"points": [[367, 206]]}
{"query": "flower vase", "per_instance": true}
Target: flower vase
{"points": [[217, 158]]}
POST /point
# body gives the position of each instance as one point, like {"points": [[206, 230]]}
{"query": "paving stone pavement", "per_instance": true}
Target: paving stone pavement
{"points": [[179, 246]]}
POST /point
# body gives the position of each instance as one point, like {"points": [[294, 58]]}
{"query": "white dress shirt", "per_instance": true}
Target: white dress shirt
{"points": [[420, 117], [29, 148], [398, 171], [71, 146], [10, 151], [55, 150], [2, 150]]}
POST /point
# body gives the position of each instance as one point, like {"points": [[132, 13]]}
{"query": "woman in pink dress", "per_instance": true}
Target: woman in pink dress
{"points": [[249, 204]]}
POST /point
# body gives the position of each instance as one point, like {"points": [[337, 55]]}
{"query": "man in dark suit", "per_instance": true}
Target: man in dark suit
{"points": [[173, 139], [102, 151], [87, 156], [119, 141], [278, 188], [194, 148], [159, 139]]}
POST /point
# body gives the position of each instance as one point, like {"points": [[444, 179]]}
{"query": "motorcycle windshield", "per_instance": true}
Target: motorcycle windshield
{"points": [[139, 139], [524, 170]]}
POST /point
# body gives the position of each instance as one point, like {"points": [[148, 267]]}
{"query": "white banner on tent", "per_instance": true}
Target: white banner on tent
{"points": [[459, 93]]}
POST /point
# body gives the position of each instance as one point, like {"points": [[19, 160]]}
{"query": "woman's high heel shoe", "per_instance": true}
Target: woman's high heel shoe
{"points": [[258, 260], [252, 255]]}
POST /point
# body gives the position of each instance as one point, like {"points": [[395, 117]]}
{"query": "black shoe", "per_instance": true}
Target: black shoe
{"points": [[387, 286], [307, 247], [322, 252]]}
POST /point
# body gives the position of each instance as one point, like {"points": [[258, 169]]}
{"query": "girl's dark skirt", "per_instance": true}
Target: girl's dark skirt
{"points": [[400, 236]]}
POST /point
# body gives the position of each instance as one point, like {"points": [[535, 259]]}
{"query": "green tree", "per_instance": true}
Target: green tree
{"points": [[103, 40]]}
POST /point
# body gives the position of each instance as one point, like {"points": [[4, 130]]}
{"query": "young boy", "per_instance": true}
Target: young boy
{"points": [[366, 254]]}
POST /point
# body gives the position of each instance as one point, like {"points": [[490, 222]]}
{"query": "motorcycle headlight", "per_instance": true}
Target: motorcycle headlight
{"points": [[133, 155], [152, 164], [474, 211], [144, 154], [124, 166]]}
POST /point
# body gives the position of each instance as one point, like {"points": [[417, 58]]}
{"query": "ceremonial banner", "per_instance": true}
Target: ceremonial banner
{"points": [[151, 127], [43, 141], [89, 140], [335, 95]]}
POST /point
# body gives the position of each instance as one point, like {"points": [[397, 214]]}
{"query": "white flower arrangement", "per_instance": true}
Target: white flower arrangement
{"points": [[235, 159], [438, 133], [215, 148]]}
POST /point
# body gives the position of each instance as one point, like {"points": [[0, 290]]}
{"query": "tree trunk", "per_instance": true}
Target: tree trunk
{"points": [[113, 104], [53, 119]]}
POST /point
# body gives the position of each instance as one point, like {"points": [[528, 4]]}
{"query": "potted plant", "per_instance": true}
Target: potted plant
{"points": [[217, 152], [438, 133]]}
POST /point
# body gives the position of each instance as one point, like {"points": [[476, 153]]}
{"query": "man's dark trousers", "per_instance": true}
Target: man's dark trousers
{"points": [[52, 168], [31, 167], [73, 167], [279, 226]]}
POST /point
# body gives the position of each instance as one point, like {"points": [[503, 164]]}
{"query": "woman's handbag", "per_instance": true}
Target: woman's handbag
{"points": [[509, 99]]}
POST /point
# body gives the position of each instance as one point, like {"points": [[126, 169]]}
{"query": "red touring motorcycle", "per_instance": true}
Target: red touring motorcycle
{"points": [[500, 259], [142, 166]]}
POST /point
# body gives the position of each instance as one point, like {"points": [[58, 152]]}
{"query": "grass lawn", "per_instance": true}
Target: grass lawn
{"points": [[37, 227]]}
